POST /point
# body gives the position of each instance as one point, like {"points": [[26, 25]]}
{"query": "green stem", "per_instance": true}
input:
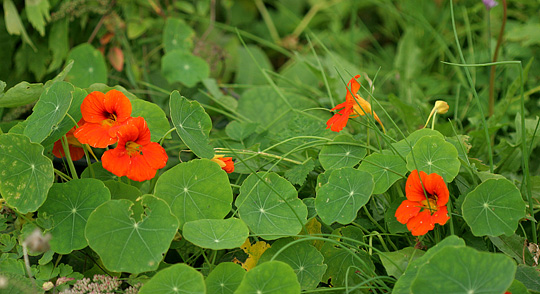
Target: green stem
{"points": [[491, 100], [65, 146]]}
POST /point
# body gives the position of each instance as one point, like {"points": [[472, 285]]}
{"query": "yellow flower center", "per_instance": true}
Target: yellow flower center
{"points": [[111, 119], [430, 204], [132, 147]]}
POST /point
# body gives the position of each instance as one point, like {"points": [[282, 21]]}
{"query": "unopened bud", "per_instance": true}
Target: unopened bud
{"points": [[441, 107], [47, 286]]}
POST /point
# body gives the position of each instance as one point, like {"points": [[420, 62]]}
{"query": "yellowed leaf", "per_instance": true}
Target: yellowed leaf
{"points": [[313, 227], [254, 252]]}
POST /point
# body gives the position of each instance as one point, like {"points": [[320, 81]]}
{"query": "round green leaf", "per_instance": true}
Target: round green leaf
{"points": [[178, 278], [273, 277], [225, 278], [67, 123], [89, 66], [50, 109], [269, 214], [304, 259], [184, 67], [434, 155], [386, 169], [402, 147], [177, 35], [396, 262], [465, 270], [216, 234], [127, 242], [21, 94], [192, 124], [69, 205], [153, 115], [345, 193], [197, 189], [342, 152], [493, 208], [25, 174]]}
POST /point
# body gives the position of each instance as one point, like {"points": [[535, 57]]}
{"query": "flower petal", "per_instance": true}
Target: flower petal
{"points": [[117, 103], [337, 122], [155, 155], [93, 109], [116, 161], [435, 185], [352, 86], [413, 186], [139, 169], [440, 216], [420, 224], [406, 210], [95, 135], [143, 137]]}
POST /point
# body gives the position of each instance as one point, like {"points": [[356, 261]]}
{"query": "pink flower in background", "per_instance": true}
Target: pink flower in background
{"points": [[489, 4]]}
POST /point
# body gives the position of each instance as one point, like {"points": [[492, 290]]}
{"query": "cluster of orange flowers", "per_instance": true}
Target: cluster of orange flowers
{"points": [[106, 120]]}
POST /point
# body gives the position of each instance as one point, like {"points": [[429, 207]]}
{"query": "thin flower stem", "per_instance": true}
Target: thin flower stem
{"points": [[268, 21], [165, 136], [321, 69], [62, 175], [65, 146]]}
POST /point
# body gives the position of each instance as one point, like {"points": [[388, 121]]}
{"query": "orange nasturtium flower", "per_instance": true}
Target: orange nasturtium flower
{"points": [[421, 211], [226, 163], [103, 114], [135, 156], [75, 147], [350, 107]]}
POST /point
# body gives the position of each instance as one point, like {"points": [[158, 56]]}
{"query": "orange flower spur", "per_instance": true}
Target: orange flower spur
{"points": [[226, 163], [135, 156], [351, 108], [421, 211], [75, 147], [103, 114]]}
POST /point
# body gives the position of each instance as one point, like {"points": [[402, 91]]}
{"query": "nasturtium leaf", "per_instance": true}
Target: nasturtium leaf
{"points": [[21, 94], [225, 278], [192, 124], [518, 287], [464, 270], [310, 204], [197, 189], [184, 67], [67, 123], [216, 234], [346, 266], [273, 277], [304, 259], [250, 59], [25, 173], [177, 35], [345, 193], [127, 242], [120, 190], [432, 154], [49, 111], [386, 169], [343, 151], [69, 205], [266, 213], [390, 218], [396, 262], [89, 66], [493, 208], [96, 171], [404, 283], [155, 117], [402, 147], [178, 278]]}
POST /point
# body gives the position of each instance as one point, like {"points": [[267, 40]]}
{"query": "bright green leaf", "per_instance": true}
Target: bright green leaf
{"points": [[38, 13], [69, 204], [153, 115], [273, 277], [396, 262], [177, 35], [216, 234], [131, 243], [192, 124], [343, 151], [345, 193], [89, 67], [493, 208], [21, 94], [386, 169], [25, 173], [432, 154], [225, 278], [402, 147], [197, 189], [266, 213], [346, 267], [178, 278], [184, 67]]}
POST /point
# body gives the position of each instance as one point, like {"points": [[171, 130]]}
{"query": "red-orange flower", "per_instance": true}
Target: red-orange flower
{"points": [[226, 163], [135, 156], [103, 114], [421, 211], [351, 108], [75, 147]]}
